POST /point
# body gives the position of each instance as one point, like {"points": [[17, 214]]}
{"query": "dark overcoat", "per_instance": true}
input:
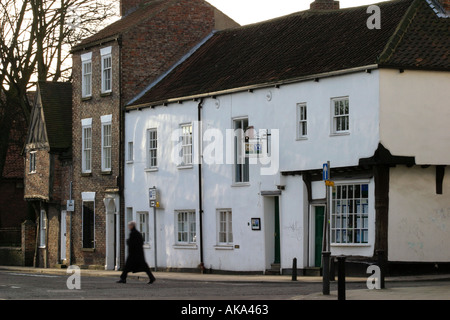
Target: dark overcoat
{"points": [[136, 260]]}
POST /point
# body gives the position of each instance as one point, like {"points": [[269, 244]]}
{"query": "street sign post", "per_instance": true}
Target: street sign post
{"points": [[326, 176]]}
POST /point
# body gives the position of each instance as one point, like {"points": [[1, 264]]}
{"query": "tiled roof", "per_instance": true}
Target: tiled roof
{"points": [[422, 40], [146, 11], [308, 43], [56, 100]]}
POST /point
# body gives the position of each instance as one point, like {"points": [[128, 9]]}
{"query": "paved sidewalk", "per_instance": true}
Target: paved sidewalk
{"points": [[441, 292], [429, 287]]}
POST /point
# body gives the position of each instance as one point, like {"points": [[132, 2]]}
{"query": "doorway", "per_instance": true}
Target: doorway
{"points": [[277, 231], [316, 235], [272, 234], [63, 231], [111, 202]]}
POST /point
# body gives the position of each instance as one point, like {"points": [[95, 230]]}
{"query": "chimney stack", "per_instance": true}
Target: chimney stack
{"points": [[127, 6], [327, 5]]}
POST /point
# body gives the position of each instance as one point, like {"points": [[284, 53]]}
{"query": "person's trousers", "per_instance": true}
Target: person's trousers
{"points": [[150, 275]]}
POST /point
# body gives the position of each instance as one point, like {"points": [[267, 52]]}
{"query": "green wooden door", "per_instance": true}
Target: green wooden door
{"points": [[320, 213], [277, 231]]}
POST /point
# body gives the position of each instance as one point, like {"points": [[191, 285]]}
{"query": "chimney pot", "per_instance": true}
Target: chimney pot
{"points": [[326, 5]]}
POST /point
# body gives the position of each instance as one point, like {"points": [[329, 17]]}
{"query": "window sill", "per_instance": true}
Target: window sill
{"points": [[186, 246], [151, 169], [185, 167], [88, 250], [86, 174], [106, 173], [224, 247], [337, 134], [146, 246], [130, 162], [86, 98], [301, 139], [337, 245], [106, 94], [240, 184], [42, 247], [34, 172]]}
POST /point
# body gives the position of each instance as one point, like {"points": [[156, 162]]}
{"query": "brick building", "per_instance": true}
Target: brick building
{"points": [[48, 169], [109, 69]]}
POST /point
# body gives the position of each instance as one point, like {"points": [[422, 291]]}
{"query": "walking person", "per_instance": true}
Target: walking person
{"points": [[136, 260]]}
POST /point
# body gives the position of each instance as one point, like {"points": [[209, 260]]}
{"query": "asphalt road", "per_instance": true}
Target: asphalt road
{"points": [[15, 285], [32, 286]]}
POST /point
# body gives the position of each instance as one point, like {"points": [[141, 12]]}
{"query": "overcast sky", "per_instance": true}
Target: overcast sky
{"points": [[250, 11]]}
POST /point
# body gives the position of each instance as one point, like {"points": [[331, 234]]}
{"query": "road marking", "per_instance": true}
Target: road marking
{"points": [[32, 275], [13, 287]]}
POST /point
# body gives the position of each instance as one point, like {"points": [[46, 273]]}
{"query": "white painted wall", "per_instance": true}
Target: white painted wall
{"points": [[419, 219], [414, 114], [179, 188]]}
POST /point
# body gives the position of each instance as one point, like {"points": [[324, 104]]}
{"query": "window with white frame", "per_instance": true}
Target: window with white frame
{"points": [[186, 144], [302, 121], [130, 152], [225, 227], [241, 162], [350, 214], [106, 143], [32, 162], [106, 69], [142, 218], [186, 227], [42, 228], [88, 224], [86, 141], [341, 115], [86, 75], [152, 145]]}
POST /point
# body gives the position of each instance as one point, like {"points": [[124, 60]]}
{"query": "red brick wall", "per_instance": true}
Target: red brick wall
{"points": [[152, 48], [13, 208], [28, 242]]}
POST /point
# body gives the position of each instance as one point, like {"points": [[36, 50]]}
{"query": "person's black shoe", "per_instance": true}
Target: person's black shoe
{"points": [[151, 281], [121, 281]]}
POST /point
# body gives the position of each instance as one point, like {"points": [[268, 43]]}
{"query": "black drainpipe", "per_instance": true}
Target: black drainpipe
{"points": [[200, 188]]}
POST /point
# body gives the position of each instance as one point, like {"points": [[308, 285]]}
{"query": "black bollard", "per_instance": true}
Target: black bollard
{"points": [[294, 269], [332, 269], [341, 278], [326, 273], [382, 265]]}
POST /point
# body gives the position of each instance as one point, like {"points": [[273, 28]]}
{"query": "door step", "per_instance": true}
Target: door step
{"points": [[312, 272], [274, 269]]}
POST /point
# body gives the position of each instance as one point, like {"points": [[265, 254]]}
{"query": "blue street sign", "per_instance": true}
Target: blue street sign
{"points": [[325, 172]]}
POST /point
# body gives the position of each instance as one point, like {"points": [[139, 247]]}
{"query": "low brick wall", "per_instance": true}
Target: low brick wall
{"points": [[11, 256], [21, 256]]}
